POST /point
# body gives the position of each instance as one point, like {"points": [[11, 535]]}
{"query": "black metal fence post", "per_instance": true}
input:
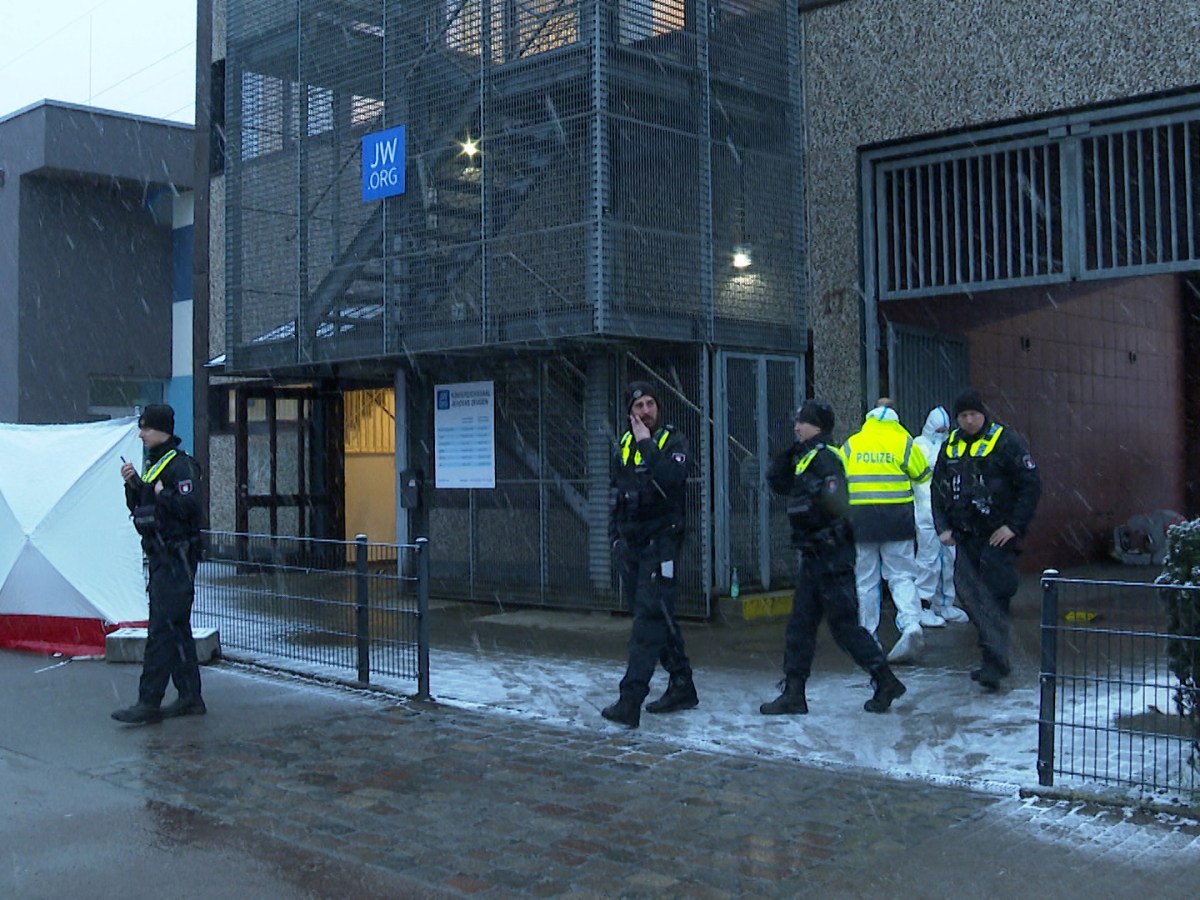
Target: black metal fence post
{"points": [[423, 618], [1049, 678], [363, 610]]}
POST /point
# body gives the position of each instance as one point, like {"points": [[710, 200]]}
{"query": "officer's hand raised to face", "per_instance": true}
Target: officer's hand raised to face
{"points": [[638, 428]]}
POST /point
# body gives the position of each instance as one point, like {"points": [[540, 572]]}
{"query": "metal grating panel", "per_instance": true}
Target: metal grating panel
{"points": [[573, 168], [1142, 190], [1093, 195], [925, 369], [540, 536], [964, 221]]}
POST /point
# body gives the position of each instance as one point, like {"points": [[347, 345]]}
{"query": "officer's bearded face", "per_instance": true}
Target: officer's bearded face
{"points": [[646, 409]]}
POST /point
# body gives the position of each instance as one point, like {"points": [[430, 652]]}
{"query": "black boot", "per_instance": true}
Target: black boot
{"points": [[680, 694], [887, 688], [989, 674], [626, 711], [790, 702], [184, 706], [139, 714]]}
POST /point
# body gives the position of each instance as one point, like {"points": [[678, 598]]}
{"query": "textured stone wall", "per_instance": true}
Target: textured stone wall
{"points": [[879, 70]]}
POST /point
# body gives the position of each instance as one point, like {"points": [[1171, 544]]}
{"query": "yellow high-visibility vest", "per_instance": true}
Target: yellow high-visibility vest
{"points": [[956, 446], [155, 470], [627, 445], [803, 462]]}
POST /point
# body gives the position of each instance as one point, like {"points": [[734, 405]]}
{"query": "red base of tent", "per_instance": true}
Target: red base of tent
{"points": [[57, 634]]}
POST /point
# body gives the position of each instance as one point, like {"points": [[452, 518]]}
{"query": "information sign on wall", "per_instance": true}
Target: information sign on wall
{"points": [[464, 435]]}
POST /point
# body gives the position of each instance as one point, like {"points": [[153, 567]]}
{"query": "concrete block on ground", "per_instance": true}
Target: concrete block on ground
{"points": [[129, 644], [752, 607]]}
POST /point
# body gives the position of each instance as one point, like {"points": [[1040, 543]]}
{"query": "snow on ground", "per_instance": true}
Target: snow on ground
{"points": [[944, 729]]}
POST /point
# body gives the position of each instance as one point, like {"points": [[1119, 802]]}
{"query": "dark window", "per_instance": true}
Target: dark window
{"points": [[216, 130]]}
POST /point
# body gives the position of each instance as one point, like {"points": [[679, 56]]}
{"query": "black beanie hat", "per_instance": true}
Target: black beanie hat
{"points": [[968, 400], [816, 412], [158, 416], [637, 390]]}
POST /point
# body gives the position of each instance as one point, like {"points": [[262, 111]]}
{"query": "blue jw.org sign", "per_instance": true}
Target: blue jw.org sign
{"points": [[383, 164]]}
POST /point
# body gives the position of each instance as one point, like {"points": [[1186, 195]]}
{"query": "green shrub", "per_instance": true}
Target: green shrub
{"points": [[1182, 568]]}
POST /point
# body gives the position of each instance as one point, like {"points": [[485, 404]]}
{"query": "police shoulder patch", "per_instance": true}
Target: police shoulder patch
{"points": [[185, 487], [1027, 462], [680, 458]]}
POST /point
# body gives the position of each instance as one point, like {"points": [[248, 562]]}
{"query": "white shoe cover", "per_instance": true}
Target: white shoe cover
{"points": [[952, 613], [930, 619], [909, 648]]}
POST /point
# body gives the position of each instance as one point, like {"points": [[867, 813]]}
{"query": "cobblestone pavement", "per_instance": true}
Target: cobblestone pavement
{"points": [[416, 799]]}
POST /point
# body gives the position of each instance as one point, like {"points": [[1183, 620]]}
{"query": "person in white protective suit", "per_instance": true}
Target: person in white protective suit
{"points": [[935, 561]]}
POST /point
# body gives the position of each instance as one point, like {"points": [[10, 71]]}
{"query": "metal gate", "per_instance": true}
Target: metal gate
{"points": [[288, 464], [925, 369], [754, 401]]}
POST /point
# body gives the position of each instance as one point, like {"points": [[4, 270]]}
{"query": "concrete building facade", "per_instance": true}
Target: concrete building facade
{"points": [[1089, 361], [95, 264]]}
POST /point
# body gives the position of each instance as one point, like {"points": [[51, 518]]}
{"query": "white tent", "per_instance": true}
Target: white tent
{"points": [[70, 560]]}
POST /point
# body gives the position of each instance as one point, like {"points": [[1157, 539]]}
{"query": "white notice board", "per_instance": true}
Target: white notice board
{"points": [[464, 435]]}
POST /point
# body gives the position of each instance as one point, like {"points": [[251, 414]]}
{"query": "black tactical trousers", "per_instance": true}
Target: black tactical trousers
{"points": [[985, 579], [825, 586], [170, 648], [648, 577]]}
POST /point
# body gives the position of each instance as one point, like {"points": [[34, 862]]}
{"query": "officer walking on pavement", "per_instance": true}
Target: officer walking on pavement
{"points": [[986, 488], [165, 507], [649, 473], [811, 474]]}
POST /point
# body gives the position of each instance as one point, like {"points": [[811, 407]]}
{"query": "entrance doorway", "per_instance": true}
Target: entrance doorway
{"points": [[370, 464], [288, 461]]}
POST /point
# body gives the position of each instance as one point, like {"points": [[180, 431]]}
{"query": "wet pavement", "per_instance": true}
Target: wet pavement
{"points": [[511, 785]]}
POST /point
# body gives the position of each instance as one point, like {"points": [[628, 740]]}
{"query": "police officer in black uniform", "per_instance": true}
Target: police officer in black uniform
{"points": [[812, 475], [164, 503], [985, 489], [646, 526]]}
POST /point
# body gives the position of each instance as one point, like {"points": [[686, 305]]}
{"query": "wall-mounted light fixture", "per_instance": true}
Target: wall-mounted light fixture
{"points": [[743, 257]]}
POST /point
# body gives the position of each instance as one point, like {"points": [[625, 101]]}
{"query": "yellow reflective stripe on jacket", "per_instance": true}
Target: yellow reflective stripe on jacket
{"points": [[876, 489], [155, 470], [803, 462], [877, 482], [627, 443], [956, 446]]}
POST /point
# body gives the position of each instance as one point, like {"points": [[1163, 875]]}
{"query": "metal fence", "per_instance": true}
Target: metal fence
{"points": [[1108, 713], [341, 605]]}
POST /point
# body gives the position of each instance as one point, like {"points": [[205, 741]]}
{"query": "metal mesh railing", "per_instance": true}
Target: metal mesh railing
{"points": [[341, 605], [1108, 713]]}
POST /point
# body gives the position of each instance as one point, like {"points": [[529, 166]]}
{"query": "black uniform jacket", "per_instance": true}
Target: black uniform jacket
{"points": [[648, 486], [975, 495], [171, 518], [818, 503]]}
